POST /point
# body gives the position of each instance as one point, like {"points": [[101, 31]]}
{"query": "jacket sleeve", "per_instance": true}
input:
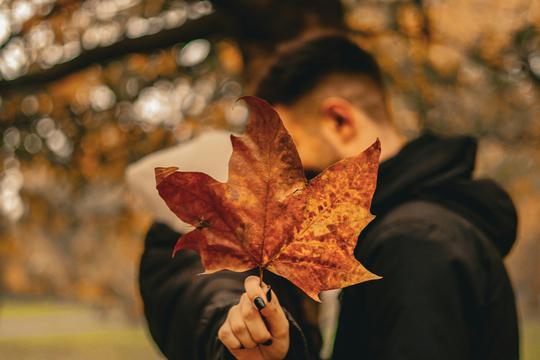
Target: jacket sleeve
{"points": [[418, 310], [184, 311]]}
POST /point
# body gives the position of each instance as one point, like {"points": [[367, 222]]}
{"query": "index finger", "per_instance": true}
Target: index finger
{"points": [[266, 301], [253, 288]]}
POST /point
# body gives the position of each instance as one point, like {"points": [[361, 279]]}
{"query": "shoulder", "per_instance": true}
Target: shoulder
{"points": [[423, 227], [422, 214], [423, 242]]}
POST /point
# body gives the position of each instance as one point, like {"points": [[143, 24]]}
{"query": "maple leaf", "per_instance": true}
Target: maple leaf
{"points": [[267, 215]]}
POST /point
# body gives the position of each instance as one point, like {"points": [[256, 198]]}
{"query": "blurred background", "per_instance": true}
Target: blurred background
{"points": [[89, 87]]}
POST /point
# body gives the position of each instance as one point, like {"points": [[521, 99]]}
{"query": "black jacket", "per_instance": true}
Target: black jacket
{"points": [[438, 241]]}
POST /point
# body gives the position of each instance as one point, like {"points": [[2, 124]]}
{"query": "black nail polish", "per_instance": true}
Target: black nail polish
{"points": [[267, 342], [269, 295], [259, 303]]}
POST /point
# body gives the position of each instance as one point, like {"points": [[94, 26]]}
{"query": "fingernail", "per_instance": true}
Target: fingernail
{"points": [[259, 303], [269, 294], [267, 342]]}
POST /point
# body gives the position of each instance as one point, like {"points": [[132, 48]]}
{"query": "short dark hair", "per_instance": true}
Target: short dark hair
{"points": [[299, 69]]}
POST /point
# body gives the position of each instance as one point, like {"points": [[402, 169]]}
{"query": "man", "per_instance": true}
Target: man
{"points": [[438, 239]]}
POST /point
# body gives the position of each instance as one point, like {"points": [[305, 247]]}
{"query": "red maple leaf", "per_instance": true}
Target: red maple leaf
{"points": [[267, 215]]}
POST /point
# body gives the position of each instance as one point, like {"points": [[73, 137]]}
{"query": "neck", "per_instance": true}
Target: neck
{"points": [[391, 143]]}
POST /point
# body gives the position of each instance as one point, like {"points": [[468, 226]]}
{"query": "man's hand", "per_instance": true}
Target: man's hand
{"points": [[256, 327]]}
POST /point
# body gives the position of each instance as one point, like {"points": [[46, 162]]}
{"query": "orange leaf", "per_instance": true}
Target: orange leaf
{"points": [[266, 215]]}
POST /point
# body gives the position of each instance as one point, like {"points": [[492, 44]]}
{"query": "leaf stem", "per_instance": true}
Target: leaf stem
{"points": [[260, 276]]}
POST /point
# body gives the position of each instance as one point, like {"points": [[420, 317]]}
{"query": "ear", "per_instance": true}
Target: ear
{"points": [[338, 118]]}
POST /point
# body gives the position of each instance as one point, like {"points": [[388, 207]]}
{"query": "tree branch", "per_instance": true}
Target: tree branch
{"points": [[205, 26]]}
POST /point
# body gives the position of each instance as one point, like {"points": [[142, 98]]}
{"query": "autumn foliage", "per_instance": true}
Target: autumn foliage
{"points": [[268, 216]]}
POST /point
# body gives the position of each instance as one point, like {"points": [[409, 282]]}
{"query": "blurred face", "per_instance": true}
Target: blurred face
{"points": [[315, 153], [328, 128]]}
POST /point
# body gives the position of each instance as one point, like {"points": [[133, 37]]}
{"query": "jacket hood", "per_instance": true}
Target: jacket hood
{"points": [[440, 169]]}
